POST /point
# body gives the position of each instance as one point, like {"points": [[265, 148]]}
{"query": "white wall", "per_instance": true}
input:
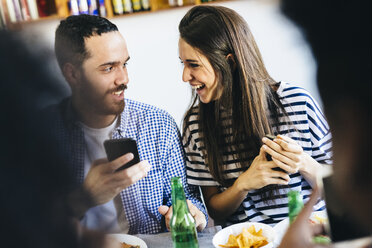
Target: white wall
{"points": [[155, 69]]}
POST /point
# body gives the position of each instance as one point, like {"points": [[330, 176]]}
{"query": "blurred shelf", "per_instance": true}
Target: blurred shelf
{"points": [[61, 10]]}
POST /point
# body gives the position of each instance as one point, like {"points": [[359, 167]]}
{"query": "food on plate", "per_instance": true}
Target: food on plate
{"points": [[317, 219], [125, 245], [322, 240], [249, 237]]}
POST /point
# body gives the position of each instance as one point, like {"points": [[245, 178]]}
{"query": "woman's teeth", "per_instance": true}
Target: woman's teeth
{"points": [[198, 87]]}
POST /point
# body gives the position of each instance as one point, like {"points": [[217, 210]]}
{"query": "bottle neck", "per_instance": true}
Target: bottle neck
{"points": [[178, 195]]}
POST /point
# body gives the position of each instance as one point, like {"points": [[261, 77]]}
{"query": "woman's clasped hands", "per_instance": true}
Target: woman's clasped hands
{"points": [[287, 154], [262, 173]]}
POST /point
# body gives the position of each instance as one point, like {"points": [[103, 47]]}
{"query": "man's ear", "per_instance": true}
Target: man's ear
{"points": [[71, 73]]}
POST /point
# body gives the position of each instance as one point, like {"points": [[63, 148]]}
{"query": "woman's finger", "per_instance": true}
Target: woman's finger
{"points": [[290, 147], [277, 180], [286, 138], [284, 166], [280, 174], [285, 157]]}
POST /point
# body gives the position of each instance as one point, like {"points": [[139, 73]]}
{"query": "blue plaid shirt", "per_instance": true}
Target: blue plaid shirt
{"points": [[158, 142]]}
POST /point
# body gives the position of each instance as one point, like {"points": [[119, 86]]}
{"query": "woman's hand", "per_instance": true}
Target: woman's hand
{"points": [[289, 155], [261, 174]]}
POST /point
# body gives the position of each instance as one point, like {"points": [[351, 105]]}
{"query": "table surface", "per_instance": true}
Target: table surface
{"points": [[164, 240]]}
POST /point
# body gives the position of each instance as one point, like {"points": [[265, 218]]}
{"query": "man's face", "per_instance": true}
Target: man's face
{"points": [[103, 75]]}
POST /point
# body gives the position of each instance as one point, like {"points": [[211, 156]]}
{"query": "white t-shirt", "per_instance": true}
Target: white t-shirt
{"points": [[108, 217]]}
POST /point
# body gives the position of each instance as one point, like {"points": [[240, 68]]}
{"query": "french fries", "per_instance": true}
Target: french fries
{"points": [[248, 238]]}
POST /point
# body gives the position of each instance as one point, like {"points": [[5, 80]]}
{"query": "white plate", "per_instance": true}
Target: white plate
{"points": [[282, 226], [129, 239], [222, 236]]}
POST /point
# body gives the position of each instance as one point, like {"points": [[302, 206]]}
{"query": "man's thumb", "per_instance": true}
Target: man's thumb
{"points": [[163, 210]]}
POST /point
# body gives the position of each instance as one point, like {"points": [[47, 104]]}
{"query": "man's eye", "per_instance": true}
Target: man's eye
{"points": [[108, 69], [125, 65]]}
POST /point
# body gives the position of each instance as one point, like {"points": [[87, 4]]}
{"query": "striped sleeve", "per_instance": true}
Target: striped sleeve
{"points": [[315, 136], [197, 171], [320, 133], [309, 120]]}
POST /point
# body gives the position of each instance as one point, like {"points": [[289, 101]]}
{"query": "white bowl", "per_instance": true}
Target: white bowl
{"points": [[222, 236], [129, 239]]}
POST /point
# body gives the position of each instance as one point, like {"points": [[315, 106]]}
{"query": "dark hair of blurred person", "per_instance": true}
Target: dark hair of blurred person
{"points": [[338, 38], [34, 179], [340, 43]]}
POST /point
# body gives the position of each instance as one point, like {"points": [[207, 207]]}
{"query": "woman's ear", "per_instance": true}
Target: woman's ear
{"points": [[231, 60], [71, 73]]}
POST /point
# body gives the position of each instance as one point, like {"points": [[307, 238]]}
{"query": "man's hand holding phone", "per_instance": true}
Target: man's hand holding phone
{"points": [[106, 179]]}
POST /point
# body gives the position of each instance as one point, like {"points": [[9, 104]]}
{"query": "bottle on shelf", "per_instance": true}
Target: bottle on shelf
{"points": [[136, 5], [46, 8], [117, 6], [174, 3], [92, 7], [145, 5], [128, 7], [83, 7], [74, 7], [182, 224], [102, 8]]}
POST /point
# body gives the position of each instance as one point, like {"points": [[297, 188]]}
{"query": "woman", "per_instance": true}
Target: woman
{"points": [[243, 175]]}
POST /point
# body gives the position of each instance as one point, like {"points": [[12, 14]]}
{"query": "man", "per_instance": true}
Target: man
{"points": [[93, 55]]}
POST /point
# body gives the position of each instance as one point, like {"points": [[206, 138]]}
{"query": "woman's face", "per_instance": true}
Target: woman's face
{"points": [[198, 72]]}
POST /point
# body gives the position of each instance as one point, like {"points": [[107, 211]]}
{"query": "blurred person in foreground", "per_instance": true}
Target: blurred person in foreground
{"points": [[93, 57], [35, 181], [340, 43]]}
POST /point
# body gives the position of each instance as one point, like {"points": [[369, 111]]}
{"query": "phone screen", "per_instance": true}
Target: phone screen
{"points": [[118, 147], [342, 224]]}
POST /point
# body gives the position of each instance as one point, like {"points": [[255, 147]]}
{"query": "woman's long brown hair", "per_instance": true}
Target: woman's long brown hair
{"points": [[248, 93]]}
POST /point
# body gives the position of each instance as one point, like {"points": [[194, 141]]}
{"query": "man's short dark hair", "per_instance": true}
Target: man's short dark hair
{"points": [[69, 40]]}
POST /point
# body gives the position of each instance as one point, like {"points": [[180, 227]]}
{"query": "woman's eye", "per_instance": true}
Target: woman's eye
{"points": [[125, 65], [194, 65]]}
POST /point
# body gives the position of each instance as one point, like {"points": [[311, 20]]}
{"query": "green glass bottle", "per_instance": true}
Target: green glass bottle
{"points": [[182, 224], [295, 204]]}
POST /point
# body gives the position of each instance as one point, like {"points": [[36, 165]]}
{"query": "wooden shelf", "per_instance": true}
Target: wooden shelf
{"points": [[62, 10]]}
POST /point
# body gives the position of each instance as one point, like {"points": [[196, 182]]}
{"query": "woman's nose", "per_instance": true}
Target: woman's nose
{"points": [[186, 75]]}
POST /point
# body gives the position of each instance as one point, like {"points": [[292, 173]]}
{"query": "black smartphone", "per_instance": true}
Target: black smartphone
{"points": [[118, 147], [268, 156], [342, 225], [270, 136]]}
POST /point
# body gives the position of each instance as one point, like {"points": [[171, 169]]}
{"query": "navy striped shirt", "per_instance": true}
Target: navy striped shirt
{"points": [[309, 129]]}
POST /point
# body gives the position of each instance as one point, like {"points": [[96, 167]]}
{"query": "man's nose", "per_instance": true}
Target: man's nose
{"points": [[122, 76]]}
